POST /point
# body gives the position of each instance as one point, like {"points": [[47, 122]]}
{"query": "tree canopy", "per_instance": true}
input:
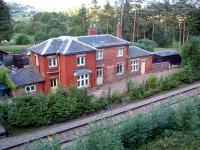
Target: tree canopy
{"points": [[5, 21]]}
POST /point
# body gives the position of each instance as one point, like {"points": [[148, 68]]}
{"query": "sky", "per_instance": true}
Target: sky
{"points": [[55, 5]]}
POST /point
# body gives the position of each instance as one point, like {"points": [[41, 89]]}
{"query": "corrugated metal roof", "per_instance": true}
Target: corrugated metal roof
{"points": [[25, 76], [167, 52], [137, 52]]}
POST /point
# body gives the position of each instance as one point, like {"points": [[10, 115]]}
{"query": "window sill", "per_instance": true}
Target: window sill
{"points": [[120, 74], [53, 67]]}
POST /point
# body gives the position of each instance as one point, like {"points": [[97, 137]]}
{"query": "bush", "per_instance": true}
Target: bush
{"points": [[62, 105], [43, 144], [114, 97], [23, 40], [142, 129], [30, 111], [169, 83], [146, 44], [103, 137], [185, 75], [191, 53], [151, 82], [177, 45], [100, 103]]}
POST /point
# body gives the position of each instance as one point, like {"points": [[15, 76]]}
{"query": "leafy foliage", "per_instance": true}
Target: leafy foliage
{"points": [[191, 53], [5, 21], [146, 44], [23, 40], [38, 109], [101, 137], [4, 78], [43, 144]]}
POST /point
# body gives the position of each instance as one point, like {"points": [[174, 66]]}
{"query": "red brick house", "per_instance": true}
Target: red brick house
{"points": [[87, 61]]}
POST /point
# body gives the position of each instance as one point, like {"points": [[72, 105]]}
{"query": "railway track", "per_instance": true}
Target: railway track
{"points": [[65, 133]]}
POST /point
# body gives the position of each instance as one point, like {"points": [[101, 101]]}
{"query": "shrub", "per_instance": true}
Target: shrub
{"points": [[146, 44], [170, 83], [4, 78], [100, 103], [137, 92], [191, 53], [44, 144], [103, 137], [23, 40], [83, 99], [30, 111], [62, 105], [176, 45], [129, 85], [114, 97], [142, 129], [185, 75], [151, 82]]}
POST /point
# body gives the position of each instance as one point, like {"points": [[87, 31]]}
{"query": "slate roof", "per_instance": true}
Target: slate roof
{"points": [[25, 76], [82, 71], [167, 52], [71, 45], [103, 40], [49, 46], [137, 52]]}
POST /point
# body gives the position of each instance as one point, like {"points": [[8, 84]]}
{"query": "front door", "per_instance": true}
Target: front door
{"points": [[142, 67], [54, 84], [99, 76]]}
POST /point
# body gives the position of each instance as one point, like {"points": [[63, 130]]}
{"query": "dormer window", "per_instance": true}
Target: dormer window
{"points": [[53, 62], [120, 52], [81, 61], [99, 55]]}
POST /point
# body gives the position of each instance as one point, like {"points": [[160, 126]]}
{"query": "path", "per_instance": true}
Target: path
{"points": [[121, 85]]}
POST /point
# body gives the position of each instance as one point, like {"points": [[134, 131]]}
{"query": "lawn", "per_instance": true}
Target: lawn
{"points": [[14, 49]]}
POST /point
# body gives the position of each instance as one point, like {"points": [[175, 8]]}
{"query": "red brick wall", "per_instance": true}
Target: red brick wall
{"points": [[68, 65], [44, 70], [20, 90], [148, 65], [110, 61]]}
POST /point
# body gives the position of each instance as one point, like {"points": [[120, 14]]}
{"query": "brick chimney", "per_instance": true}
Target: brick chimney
{"points": [[118, 31], [92, 30]]}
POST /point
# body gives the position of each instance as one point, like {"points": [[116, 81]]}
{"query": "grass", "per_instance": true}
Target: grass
{"points": [[14, 49], [163, 48]]}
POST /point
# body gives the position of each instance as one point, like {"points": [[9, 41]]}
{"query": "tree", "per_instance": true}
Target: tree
{"points": [[159, 36], [5, 21], [191, 53]]}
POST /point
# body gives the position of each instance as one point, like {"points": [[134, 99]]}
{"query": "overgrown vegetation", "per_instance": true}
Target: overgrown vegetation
{"points": [[161, 128], [37, 110], [146, 44], [4, 78]]}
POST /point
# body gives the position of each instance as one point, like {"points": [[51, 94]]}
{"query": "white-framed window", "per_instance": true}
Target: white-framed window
{"points": [[53, 82], [30, 88], [134, 65], [37, 60], [120, 52], [83, 81], [120, 69], [81, 61], [53, 62], [99, 55]]}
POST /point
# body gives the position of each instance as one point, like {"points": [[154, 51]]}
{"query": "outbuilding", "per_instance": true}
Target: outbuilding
{"points": [[168, 55]]}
